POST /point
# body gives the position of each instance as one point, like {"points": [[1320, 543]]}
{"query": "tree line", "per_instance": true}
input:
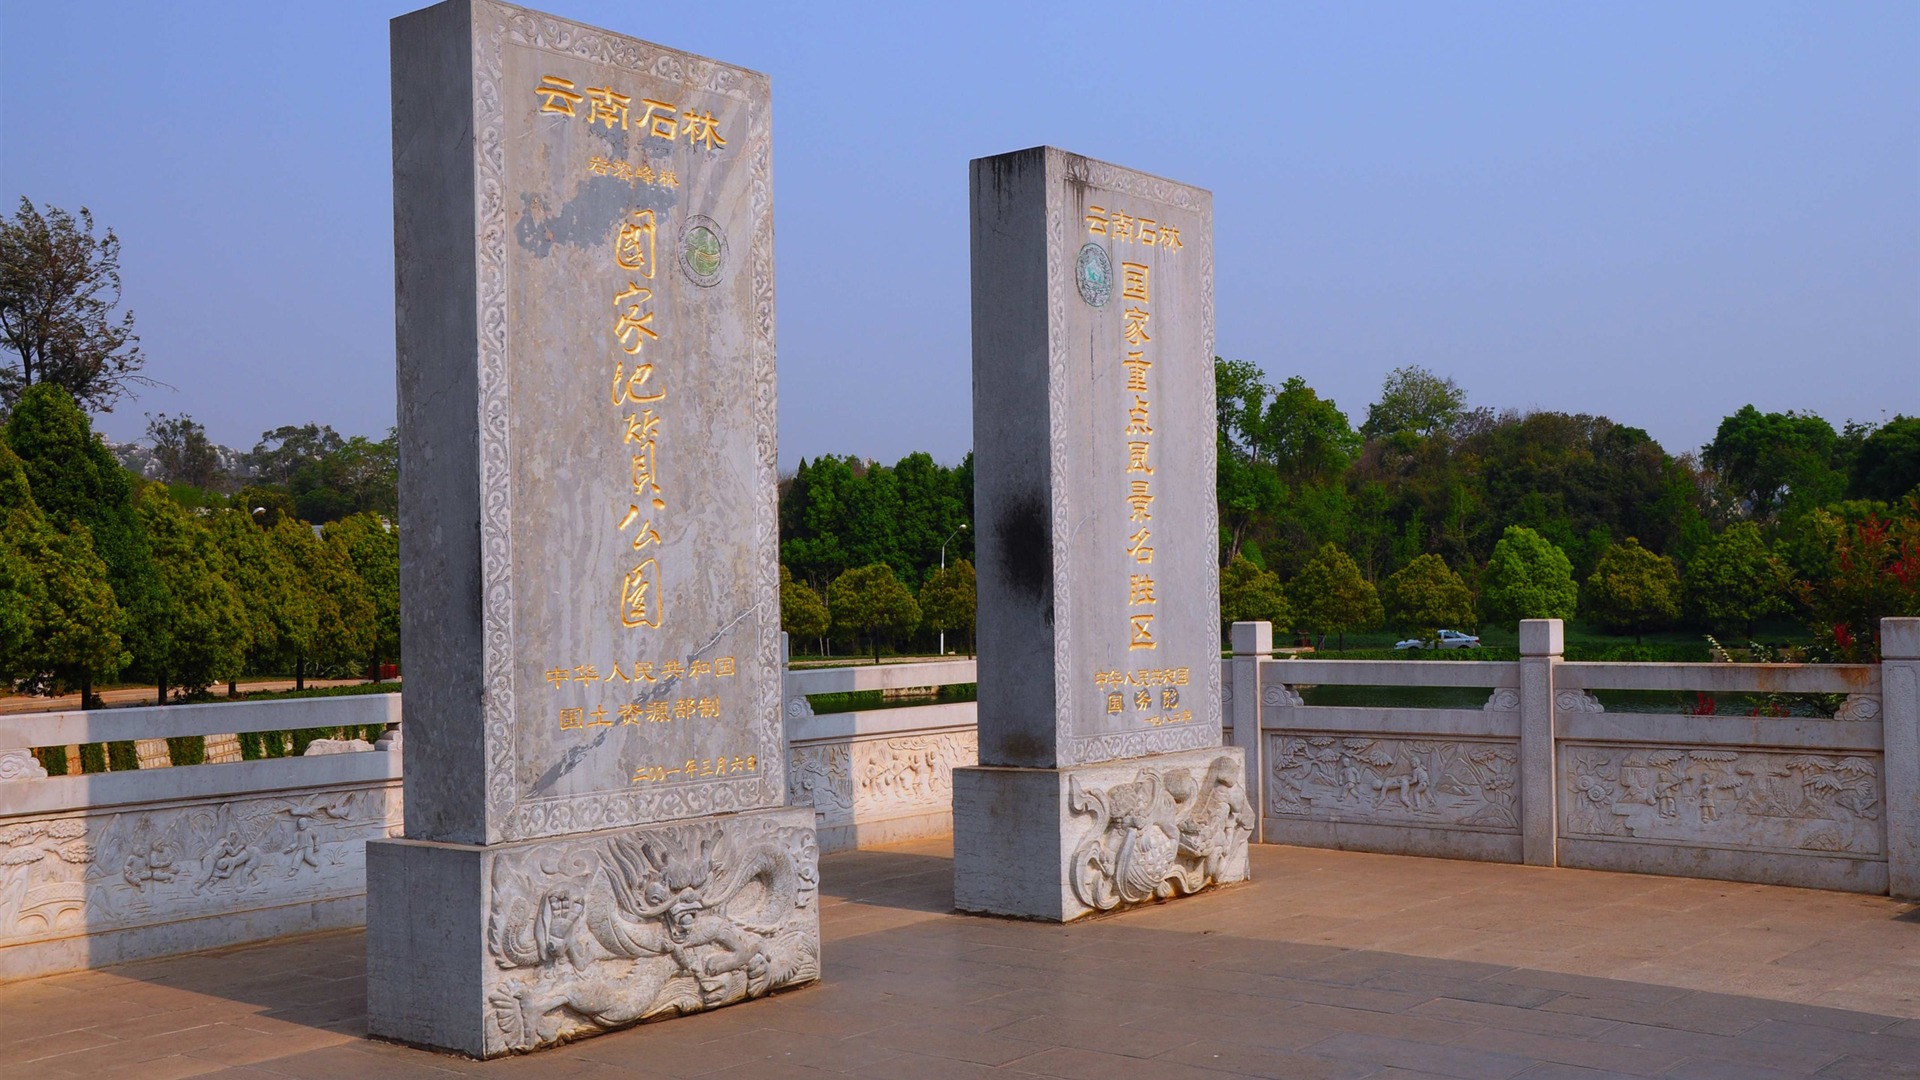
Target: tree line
{"points": [[104, 576], [1433, 514], [877, 553], [1429, 513]]}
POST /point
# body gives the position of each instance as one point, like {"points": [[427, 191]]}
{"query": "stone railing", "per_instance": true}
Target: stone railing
{"points": [[106, 867], [878, 776], [1542, 773]]}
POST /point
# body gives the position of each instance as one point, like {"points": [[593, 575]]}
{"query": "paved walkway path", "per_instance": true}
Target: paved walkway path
{"points": [[1329, 964]]}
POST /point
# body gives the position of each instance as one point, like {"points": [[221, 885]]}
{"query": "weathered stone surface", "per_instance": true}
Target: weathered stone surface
{"points": [[1057, 844], [490, 950], [1787, 802], [1099, 606], [583, 229], [584, 241], [1099, 628], [879, 790], [89, 888]]}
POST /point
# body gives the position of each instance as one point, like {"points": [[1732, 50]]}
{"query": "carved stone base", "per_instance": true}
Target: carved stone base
{"points": [[1057, 844], [494, 950]]}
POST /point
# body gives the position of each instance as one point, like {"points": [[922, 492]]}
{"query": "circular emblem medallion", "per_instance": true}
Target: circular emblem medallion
{"points": [[703, 251], [1093, 272]]}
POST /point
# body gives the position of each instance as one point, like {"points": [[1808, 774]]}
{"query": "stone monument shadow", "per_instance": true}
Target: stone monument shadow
{"points": [[315, 980], [903, 878]]}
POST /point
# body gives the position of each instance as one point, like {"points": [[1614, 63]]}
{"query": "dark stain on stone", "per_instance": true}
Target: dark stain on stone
{"points": [[1026, 550], [1021, 746]]}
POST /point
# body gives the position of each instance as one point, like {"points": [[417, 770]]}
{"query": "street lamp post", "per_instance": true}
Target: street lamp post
{"points": [[943, 566]]}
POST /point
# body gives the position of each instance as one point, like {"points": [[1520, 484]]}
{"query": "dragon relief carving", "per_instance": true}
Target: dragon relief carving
{"points": [[674, 920], [1395, 781], [1732, 798], [1164, 833]]}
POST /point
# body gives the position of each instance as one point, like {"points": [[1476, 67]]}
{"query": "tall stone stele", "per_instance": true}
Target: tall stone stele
{"points": [[596, 822], [1102, 780]]}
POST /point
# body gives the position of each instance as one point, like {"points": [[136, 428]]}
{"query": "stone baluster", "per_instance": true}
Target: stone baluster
{"points": [[1541, 643], [1900, 734], [1252, 645]]}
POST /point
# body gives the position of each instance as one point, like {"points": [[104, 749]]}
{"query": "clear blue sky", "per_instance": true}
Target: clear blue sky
{"points": [[1655, 212]]}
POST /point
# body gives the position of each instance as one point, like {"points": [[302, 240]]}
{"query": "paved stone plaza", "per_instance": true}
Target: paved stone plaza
{"points": [[1328, 964]]}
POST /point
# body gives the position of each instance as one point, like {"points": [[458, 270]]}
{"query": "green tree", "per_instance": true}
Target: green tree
{"points": [[264, 505], [204, 626], [1528, 577], [1734, 581], [871, 600], [1632, 590], [262, 577], [75, 478], [58, 619], [1307, 435], [20, 591], [361, 476], [803, 615], [1250, 594], [1280, 458], [1414, 400], [281, 453], [1769, 461], [1328, 596], [183, 451], [372, 546], [1249, 490], [329, 618], [947, 600], [59, 285], [842, 512], [1427, 595], [1887, 466], [1870, 571]]}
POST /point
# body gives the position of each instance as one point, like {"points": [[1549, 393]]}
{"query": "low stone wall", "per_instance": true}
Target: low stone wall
{"points": [[1543, 774], [109, 867], [882, 776]]}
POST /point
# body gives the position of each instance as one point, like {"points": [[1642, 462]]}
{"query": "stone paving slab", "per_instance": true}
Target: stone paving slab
{"points": [[1328, 966]]}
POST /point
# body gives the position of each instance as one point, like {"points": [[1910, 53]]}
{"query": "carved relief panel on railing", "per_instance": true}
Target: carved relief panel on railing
{"points": [[1445, 782], [820, 775], [100, 872], [878, 778], [1773, 800]]}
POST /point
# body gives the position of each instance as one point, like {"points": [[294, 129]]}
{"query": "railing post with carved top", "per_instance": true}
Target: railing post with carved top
{"points": [[1252, 645], [1541, 643], [1900, 742]]}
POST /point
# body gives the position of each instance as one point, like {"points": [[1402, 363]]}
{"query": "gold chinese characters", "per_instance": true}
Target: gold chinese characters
{"points": [[1136, 288], [695, 768], [1175, 676], [633, 392], [606, 106], [634, 175], [641, 712], [643, 671], [1126, 228]]}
